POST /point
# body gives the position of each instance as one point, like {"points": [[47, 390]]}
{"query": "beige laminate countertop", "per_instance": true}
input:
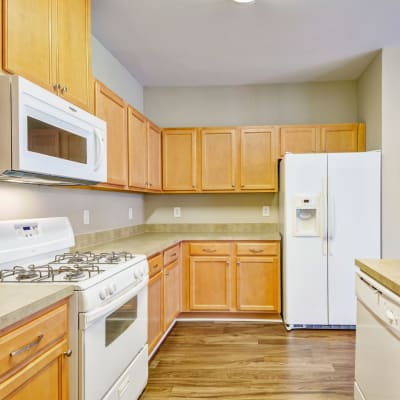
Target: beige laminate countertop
{"points": [[385, 272], [151, 243], [22, 300]]}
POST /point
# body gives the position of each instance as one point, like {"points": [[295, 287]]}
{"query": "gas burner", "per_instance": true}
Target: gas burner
{"points": [[25, 275], [75, 258], [114, 258], [74, 275]]}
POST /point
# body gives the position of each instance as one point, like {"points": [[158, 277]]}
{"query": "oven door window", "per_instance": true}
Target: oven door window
{"points": [[55, 142], [120, 320]]}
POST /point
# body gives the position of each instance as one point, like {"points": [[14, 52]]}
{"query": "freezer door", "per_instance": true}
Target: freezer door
{"points": [[304, 259], [353, 226]]}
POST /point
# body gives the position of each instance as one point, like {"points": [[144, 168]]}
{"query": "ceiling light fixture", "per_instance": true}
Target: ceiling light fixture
{"points": [[244, 1]]}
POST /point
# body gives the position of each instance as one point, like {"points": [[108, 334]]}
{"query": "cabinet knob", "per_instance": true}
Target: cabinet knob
{"points": [[64, 90], [57, 87], [242, 186], [67, 353]]}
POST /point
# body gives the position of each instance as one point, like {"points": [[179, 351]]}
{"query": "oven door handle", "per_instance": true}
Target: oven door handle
{"points": [[87, 319]]}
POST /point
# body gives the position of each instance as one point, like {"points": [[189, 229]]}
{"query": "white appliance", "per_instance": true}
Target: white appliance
{"points": [[329, 215], [45, 139], [108, 310], [377, 341]]}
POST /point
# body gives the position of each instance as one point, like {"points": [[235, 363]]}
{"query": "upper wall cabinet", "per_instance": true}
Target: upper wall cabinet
{"points": [[144, 154], [113, 109], [258, 166], [336, 138], [218, 159], [48, 42], [179, 155]]}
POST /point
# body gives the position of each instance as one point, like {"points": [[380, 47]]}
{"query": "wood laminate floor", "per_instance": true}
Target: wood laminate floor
{"points": [[223, 360]]}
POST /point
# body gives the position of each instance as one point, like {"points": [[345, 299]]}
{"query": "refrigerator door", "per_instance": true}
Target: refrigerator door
{"points": [[353, 226], [304, 257]]}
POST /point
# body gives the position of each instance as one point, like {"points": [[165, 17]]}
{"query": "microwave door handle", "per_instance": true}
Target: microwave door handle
{"points": [[100, 144]]}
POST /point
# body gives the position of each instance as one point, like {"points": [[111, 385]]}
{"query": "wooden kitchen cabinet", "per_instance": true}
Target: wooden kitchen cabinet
{"points": [[258, 160], [212, 284], [48, 42], [342, 138], [298, 139], [113, 109], [156, 309], [218, 159], [144, 155], [40, 370], [179, 157]]}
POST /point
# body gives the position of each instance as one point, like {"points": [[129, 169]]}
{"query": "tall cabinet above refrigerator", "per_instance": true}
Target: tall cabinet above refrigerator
{"points": [[329, 215]]}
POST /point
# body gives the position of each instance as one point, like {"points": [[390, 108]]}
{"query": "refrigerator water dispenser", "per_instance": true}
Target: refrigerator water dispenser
{"points": [[306, 215]]}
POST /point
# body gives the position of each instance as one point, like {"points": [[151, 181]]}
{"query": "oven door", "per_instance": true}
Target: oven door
{"points": [[109, 339]]}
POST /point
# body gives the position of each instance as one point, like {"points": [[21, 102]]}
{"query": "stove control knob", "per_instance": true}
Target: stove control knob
{"points": [[103, 294], [136, 274], [114, 287]]}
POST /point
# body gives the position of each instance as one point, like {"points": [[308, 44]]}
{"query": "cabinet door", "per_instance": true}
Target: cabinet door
{"points": [[45, 378], [258, 164], [155, 311], [258, 284], [73, 56], [298, 139], [113, 110], [179, 147], [27, 43], [218, 159], [137, 142], [171, 293], [339, 138], [154, 157], [210, 283]]}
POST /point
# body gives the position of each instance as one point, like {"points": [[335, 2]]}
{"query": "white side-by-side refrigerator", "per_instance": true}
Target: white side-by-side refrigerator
{"points": [[330, 214]]}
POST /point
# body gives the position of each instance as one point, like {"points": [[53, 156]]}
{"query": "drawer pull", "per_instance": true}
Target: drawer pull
{"points": [[209, 250], [255, 251], [27, 346], [173, 255], [155, 266]]}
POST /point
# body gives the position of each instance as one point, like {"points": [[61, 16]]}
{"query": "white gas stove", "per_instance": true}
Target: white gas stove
{"points": [[108, 311]]}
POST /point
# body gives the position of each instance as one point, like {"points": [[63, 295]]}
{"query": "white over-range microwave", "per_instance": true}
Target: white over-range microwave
{"points": [[46, 140]]}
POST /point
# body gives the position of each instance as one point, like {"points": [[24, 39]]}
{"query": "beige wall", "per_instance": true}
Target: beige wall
{"points": [[322, 102], [108, 210], [107, 69], [210, 208], [369, 99], [390, 152]]}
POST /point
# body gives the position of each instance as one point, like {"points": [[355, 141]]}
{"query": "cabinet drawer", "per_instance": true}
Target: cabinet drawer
{"points": [[257, 249], [155, 264], [210, 249], [171, 254], [27, 342]]}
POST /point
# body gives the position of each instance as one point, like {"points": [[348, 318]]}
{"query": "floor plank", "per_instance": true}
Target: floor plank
{"points": [[243, 360]]}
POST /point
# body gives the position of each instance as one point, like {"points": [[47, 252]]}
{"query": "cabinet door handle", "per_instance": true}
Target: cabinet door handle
{"points": [[167, 274], [67, 353], [57, 87], [209, 250], [64, 90], [27, 346], [238, 263], [256, 251]]}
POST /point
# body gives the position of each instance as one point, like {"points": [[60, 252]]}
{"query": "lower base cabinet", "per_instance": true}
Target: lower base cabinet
{"points": [[172, 289], [155, 311], [39, 371], [238, 276]]}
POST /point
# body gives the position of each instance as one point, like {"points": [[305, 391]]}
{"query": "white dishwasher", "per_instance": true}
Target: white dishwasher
{"points": [[377, 341]]}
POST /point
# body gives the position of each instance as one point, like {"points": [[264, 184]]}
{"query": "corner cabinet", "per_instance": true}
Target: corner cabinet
{"points": [[33, 363], [49, 42]]}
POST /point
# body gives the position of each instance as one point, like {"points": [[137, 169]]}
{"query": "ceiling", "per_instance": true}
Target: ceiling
{"points": [[218, 42]]}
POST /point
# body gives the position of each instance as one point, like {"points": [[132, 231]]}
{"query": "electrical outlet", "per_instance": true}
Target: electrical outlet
{"points": [[177, 212], [86, 217], [265, 211], [130, 213]]}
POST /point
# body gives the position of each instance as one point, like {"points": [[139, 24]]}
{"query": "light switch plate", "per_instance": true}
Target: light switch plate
{"points": [[177, 212], [86, 217], [130, 213], [265, 211]]}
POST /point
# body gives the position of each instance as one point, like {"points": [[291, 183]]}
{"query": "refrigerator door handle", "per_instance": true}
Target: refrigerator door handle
{"points": [[323, 217], [331, 215]]}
